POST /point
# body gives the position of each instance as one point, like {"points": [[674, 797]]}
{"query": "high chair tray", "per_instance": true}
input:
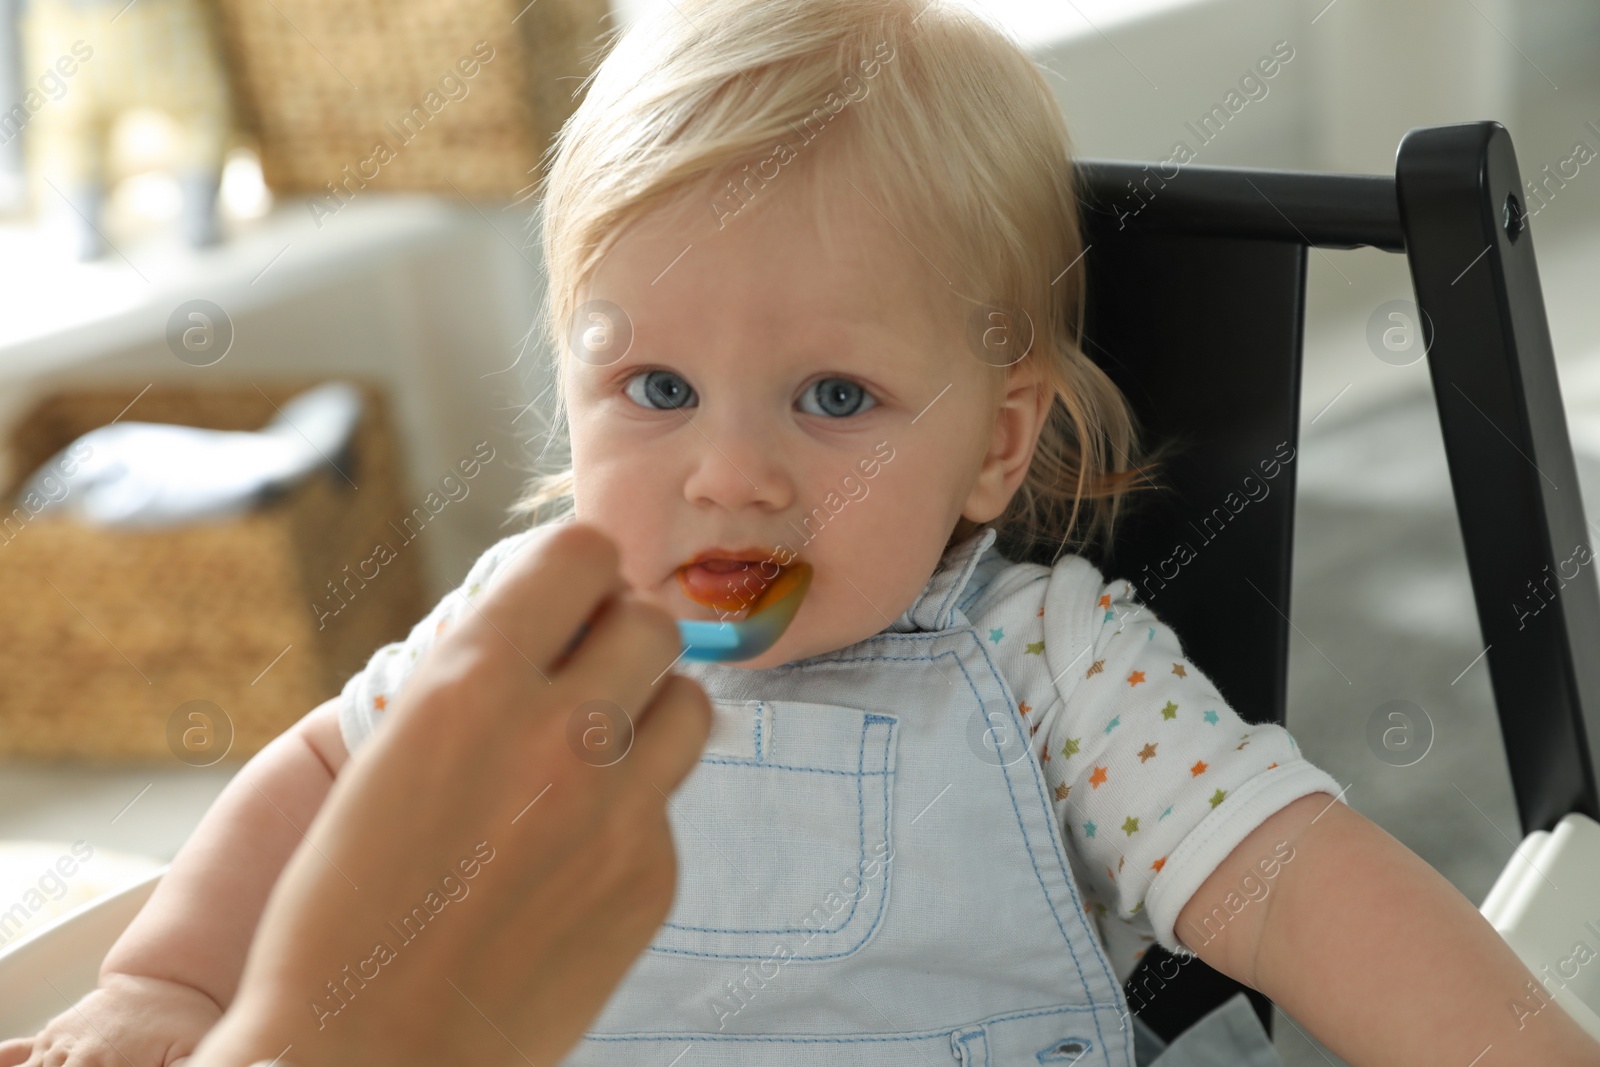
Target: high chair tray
{"points": [[1546, 904], [47, 971]]}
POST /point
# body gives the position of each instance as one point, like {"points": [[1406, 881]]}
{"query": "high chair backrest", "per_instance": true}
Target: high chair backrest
{"points": [[1195, 307]]}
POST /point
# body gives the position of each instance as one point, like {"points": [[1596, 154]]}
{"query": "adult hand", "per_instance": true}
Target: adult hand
{"points": [[512, 882]]}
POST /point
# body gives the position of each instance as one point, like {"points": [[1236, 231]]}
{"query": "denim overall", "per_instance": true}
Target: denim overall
{"points": [[869, 873]]}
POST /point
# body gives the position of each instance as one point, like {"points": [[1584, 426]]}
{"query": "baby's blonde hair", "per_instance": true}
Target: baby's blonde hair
{"points": [[970, 154]]}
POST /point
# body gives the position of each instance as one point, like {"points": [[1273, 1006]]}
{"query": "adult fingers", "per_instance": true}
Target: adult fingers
{"points": [[625, 655], [671, 736], [544, 593]]}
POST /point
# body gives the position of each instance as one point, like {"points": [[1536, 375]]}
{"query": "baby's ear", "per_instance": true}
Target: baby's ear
{"points": [[1019, 419], [1027, 385]]}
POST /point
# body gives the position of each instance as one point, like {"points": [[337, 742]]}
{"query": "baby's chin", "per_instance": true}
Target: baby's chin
{"points": [[776, 657], [800, 644]]}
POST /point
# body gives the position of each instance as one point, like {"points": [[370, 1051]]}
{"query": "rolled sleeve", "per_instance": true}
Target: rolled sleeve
{"points": [[1221, 831]]}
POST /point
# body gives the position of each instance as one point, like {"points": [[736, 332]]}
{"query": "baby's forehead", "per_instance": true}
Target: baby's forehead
{"points": [[851, 283]]}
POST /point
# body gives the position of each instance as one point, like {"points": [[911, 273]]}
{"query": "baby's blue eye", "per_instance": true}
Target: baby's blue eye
{"points": [[661, 389], [837, 397]]}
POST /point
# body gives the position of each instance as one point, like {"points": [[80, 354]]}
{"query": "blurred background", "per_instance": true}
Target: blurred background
{"points": [[210, 207]]}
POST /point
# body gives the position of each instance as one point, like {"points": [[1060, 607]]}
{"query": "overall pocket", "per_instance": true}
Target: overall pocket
{"points": [[782, 833]]}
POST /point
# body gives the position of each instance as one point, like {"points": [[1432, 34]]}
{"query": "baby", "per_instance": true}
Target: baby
{"points": [[814, 289]]}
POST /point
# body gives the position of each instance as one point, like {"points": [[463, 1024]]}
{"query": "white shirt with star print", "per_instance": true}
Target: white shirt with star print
{"points": [[1154, 777]]}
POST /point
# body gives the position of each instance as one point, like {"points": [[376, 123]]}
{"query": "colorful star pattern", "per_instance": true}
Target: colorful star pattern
{"points": [[1126, 690]]}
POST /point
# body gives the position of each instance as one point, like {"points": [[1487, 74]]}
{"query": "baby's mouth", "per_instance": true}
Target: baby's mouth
{"points": [[728, 585]]}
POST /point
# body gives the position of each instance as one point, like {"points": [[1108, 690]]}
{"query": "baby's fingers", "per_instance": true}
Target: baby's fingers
{"points": [[15, 1052], [183, 1050]]}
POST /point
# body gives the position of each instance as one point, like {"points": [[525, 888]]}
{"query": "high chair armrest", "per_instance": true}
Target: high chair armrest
{"points": [[62, 959], [1546, 907]]}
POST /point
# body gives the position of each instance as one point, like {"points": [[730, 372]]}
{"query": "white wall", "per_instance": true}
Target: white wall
{"points": [[413, 291]]}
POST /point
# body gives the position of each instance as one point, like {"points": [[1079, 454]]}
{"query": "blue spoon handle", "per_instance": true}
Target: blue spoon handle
{"points": [[703, 640], [706, 641]]}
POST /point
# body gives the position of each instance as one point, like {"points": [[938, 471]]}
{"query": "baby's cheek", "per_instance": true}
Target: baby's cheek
{"points": [[846, 616]]}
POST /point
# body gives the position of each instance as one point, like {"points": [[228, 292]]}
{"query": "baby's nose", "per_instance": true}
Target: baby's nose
{"points": [[736, 468]]}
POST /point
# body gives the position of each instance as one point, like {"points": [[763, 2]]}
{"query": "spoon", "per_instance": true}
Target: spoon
{"points": [[770, 616], [727, 642]]}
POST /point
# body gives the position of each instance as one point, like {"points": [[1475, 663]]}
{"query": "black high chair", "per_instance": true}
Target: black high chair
{"points": [[1195, 307]]}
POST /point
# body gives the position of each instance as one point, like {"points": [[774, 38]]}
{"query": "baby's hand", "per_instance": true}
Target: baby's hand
{"points": [[127, 1021]]}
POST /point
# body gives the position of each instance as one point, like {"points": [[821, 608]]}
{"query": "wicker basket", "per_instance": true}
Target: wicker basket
{"points": [[322, 83], [107, 633]]}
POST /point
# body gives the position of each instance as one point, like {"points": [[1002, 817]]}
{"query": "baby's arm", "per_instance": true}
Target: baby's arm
{"points": [[173, 972], [196, 928], [1374, 950]]}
